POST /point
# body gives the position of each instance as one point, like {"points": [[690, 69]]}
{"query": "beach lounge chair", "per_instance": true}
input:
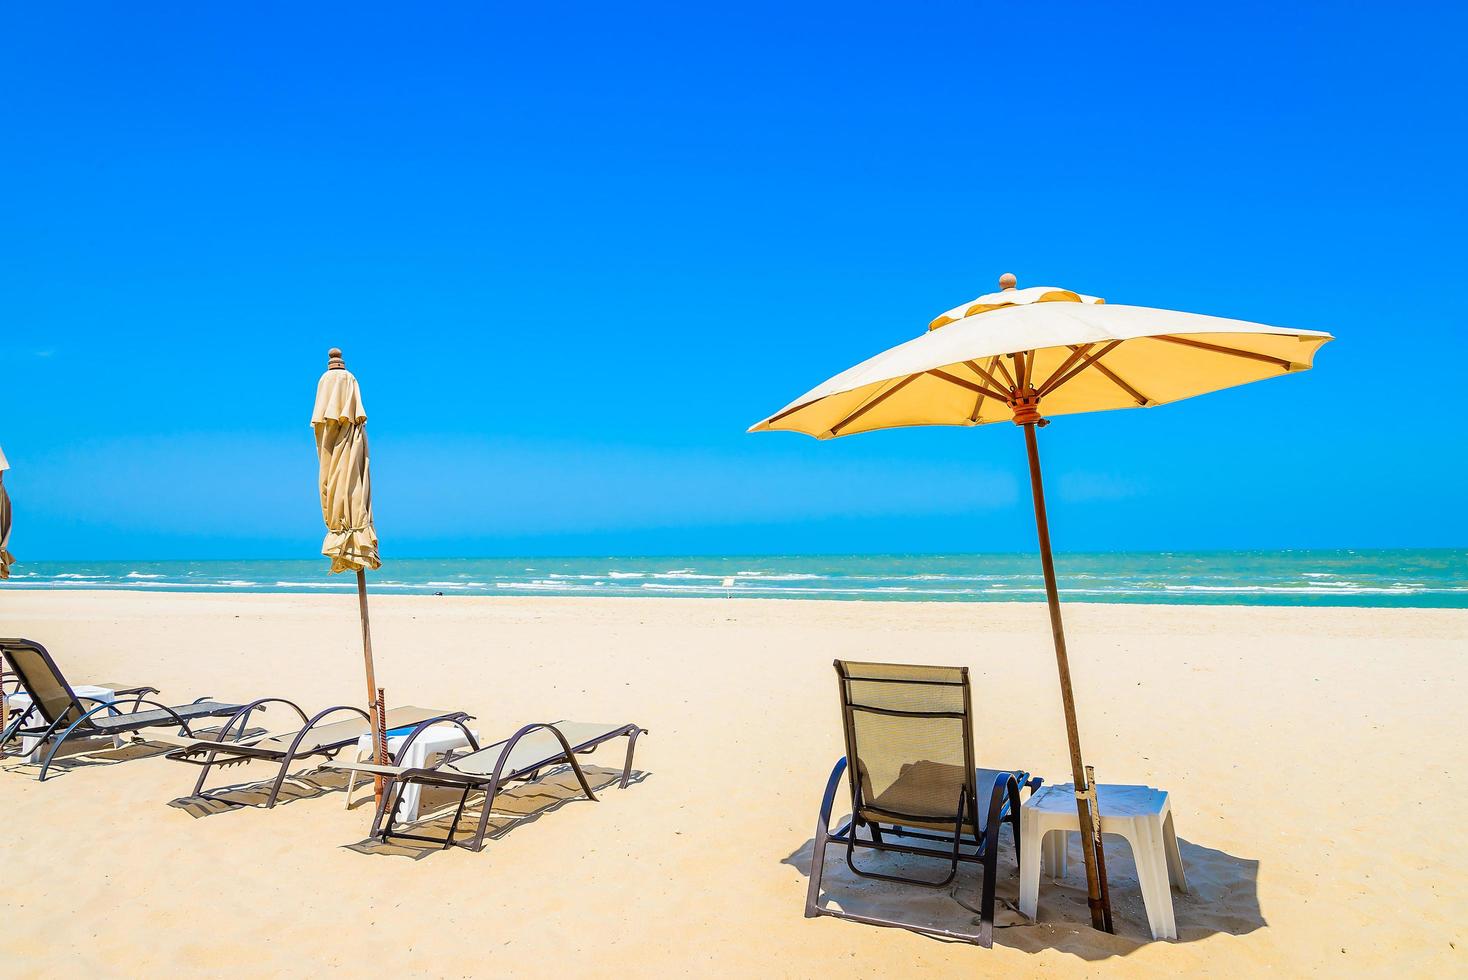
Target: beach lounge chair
{"points": [[57, 713], [126, 697], [914, 788], [520, 757], [234, 743]]}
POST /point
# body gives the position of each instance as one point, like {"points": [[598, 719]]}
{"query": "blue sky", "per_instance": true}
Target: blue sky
{"points": [[572, 252]]}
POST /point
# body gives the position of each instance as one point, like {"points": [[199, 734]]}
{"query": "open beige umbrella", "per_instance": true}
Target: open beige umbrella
{"points": [[1020, 355], [6, 558], [340, 421]]}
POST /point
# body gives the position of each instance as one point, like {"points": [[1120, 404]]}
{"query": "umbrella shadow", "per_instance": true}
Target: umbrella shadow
{"points": [[308, 785], [1223, 898], [514, 807]]}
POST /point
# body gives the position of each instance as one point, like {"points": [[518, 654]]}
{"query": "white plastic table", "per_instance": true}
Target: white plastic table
{"points": [[1140, 814], [433, 741], [31, 746]]}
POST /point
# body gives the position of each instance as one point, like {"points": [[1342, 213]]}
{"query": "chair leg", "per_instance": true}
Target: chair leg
{"points": [[1145, 840], [490, 792], [822, 839], [1029, 868], [1174, 856], [396, 800], [454, 824], [204, 773], [817, 872], [627, 767], [991, 881], [55, 747], [285, 768], [383, 810], [1014, 819], [1054, 848]]}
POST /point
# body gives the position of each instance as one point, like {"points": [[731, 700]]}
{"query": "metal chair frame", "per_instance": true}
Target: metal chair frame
{"points": [[231, 753], [1003, 806], [81, 724], [444, 777]]}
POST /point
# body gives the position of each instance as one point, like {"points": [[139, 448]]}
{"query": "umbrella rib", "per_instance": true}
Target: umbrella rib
{"points": [[1141, 399], [999, 363], [789, 411], [1231, 351], [1075, 355], [974, 367], [871, 403], [979, 402], [971, 386], [1087, 359]]}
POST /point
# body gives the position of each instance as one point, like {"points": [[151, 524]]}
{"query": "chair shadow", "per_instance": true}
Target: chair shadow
{"points": [[514, 807], [1223, 897], [308, 785], [89, 753]]}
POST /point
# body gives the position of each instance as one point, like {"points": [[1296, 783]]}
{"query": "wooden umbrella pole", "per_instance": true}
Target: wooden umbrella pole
{"points": [[371, 680], [1096, 891]]}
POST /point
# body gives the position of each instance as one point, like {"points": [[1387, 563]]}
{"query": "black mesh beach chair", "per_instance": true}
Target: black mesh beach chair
{"points": [[522, 756], [914, 787], [57, 713], [234, 743]]}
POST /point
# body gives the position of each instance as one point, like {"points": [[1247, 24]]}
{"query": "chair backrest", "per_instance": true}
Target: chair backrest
{"points": [[42, 680], [909, 740]]}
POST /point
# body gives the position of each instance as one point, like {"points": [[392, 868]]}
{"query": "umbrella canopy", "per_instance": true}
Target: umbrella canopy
{"points": [[340, 421], [1077, 354], [1021, 355], [6, 558]]}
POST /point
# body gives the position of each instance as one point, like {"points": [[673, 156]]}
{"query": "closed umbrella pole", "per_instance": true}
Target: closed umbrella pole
{"points": [[378, 742]]}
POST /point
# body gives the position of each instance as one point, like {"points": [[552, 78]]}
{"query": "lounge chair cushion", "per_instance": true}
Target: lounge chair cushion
{"points": [[346, 731], [918, 786]]}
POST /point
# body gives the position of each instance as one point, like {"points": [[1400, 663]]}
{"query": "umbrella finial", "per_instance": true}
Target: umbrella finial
{"points": [[334, 360], [1007, 281]]}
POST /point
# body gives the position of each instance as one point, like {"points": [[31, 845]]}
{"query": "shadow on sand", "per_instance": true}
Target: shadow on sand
{"points": [[88, 753], [298, 786], [514, 807], [1223, 898]]}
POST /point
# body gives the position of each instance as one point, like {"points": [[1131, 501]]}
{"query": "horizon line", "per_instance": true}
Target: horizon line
{"points": [[788, 554]]}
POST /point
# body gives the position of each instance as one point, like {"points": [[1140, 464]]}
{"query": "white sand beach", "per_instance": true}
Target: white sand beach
{"points": [[1314, 757]]}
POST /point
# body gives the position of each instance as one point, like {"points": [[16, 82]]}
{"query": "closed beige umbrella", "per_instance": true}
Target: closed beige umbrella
{"points": [[6, 558], [1022, 355], [340, 421]]}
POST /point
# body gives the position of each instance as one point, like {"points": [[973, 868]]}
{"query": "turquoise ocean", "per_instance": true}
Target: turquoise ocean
{"points": [[1436, 578]]}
